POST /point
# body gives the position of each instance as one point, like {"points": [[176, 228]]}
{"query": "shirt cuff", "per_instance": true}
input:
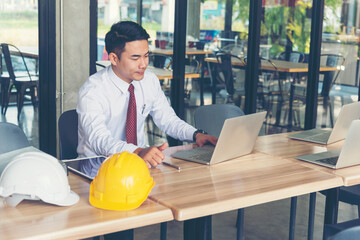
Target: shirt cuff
{"points": [[128, 147]]}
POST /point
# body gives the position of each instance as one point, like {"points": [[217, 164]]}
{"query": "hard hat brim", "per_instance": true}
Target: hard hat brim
{"points": [[71, 199]]}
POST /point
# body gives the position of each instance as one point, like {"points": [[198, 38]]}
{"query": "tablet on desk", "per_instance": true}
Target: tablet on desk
{"points": [[74, 165]]}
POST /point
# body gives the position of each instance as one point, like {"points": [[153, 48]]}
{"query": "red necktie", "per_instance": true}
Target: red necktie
{"points": [[131, 118]]}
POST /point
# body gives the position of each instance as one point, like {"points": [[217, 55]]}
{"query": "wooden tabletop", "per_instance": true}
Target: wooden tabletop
{"points": [[162, 73], [38, 220], [188, 51], [198, 190], [279, 145], [282, 66]]}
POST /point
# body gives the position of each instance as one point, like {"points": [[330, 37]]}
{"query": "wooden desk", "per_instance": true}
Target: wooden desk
{"points": [[282, 66], [198, 190], [168, 74], [38, 220], [280, 145], [188, 51], [161, 73]]}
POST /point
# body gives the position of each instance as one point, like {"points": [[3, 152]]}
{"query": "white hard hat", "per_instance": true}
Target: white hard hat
{"points": [[36, 176]]}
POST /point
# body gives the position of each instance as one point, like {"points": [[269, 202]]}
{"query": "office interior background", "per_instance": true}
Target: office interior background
{"points": [[64, 41], [67, 39]]}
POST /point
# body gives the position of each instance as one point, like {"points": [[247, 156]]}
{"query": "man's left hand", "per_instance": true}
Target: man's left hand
{"points": [[202, 139]]}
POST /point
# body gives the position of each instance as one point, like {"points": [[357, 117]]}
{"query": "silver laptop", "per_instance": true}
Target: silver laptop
{"points": [[74, 165], [348, 113], [349, 155], [237, 138]]}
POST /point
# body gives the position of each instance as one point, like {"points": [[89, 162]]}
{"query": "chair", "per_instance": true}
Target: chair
{"points": [[99, 66], [68, 134], [292, 56], [20, 75], [191, 66], [234, 49], [12, 138], [330, 77], [160, 60], [342, 231], [272, 91], [211, 118], [232, 78]]}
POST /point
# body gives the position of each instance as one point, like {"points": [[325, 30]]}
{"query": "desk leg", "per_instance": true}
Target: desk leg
{"points": [[292, 218], [331, 206], [240, 224], [312, 203], [197, 229], [163, 230]]}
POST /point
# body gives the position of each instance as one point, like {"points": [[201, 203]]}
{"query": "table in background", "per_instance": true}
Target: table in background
{"points": [[38, 220], [188, 51], [281, 66], [200, 55]]}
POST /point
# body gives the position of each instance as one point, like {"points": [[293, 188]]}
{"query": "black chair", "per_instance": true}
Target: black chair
{"points": [[160, 60], [68, 134], [191, 66], [20, 76], [13, 138], [233, 79], [272, 93], [234, 49], [329, 79], [292, 56]]}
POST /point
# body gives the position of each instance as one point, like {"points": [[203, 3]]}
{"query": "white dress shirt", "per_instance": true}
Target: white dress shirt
{"points": [[102, 110]]}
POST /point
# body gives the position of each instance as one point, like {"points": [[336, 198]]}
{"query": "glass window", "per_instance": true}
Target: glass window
{"points": [[339, 50], [284, 49], [19, 29]]}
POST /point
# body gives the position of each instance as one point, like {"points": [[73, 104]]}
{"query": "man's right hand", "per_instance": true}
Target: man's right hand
{"points": [[153, 155]]}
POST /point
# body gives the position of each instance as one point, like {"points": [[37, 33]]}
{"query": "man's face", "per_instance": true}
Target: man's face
{"points": [[133, 62]]}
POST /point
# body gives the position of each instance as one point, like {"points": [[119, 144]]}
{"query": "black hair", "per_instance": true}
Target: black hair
{"points": [[121, 33]]}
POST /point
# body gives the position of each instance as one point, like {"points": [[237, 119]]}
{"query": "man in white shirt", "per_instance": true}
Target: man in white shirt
{"points": [[104, 102]]}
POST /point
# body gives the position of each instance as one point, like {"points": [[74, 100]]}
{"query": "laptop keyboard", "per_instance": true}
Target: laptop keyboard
{"points": [[331, 160], [204, 156], [323, 137]]}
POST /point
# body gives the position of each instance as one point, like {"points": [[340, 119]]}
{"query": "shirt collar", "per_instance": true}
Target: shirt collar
{"points": [[119, 83]]}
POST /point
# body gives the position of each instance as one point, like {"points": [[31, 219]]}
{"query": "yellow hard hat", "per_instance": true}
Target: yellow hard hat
{"points": [[123, 182]]}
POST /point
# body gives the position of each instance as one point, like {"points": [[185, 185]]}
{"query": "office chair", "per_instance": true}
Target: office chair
{"points": [[211, 118], [20, 75], [342, 231], [12, 138], [68, 134]]}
